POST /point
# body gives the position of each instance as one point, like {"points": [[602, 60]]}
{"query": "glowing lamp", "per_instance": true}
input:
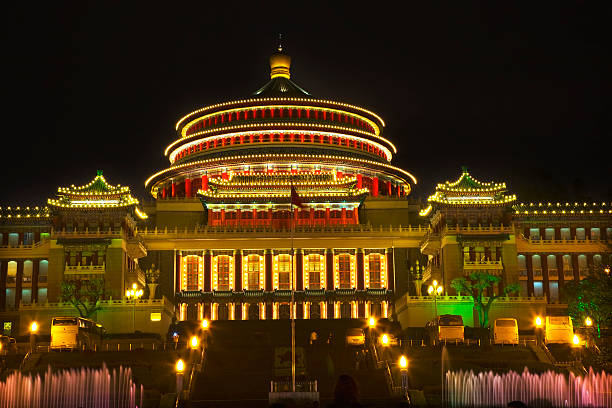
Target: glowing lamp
{"points": [[34, 327], [403, 362], [372, 322], [576, 340], [439, 290], [538, 322], [180, 366], [205, 324], [134, 286], [588, 322], [384, 340], [430, 290], [194, 342]]}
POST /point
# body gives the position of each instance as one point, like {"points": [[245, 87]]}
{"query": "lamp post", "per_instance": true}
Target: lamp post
{"points": [[33, 331], [134, 294], [538, 325], [180, 369], [403, 363], [435, 291]]}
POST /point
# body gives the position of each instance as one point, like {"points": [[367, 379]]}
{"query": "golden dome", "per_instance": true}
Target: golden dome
{"points": [[280, 64]]}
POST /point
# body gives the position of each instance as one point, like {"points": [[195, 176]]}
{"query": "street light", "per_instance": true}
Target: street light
{"points": [[180, 369], [384, 340], [372, 322], [194, 342], [205, 324], [576, 340], [403, 363], [33, 331], [134, 294], [588, 322], [435, 291], [538, 324]]}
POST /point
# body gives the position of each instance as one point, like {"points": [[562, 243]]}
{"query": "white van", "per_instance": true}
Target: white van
{"points": [[559, 329], [505, 331]]}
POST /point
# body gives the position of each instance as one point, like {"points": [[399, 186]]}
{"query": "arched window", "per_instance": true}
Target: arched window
{"points": [[11, 274], [580, 234], [567, 267], [28, 267], [595, 234], [43, 270], [536, 266], [583, 265], [551, 264]]}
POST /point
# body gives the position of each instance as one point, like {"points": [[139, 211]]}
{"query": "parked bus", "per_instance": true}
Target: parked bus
{"points": [[559, 329], [446, 328], [505, 331], [68, 333]]}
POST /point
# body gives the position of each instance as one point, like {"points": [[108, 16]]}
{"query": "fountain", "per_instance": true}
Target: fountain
{"points": [[84, 387], [487, 389]]}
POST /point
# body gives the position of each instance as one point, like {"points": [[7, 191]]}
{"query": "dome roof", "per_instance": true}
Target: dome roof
{"points": [[280, 84]]}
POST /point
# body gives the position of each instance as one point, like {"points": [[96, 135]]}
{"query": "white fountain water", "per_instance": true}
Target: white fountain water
{"points": [[487, 389], [84, 387]]}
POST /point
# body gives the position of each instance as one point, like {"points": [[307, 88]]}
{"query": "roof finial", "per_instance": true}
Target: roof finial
{"points": [[99, 172], [280, 63], [464, 169], [280, 42]]}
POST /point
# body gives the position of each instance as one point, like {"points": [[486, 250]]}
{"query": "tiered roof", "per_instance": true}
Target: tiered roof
{"points": [[96, 194], [276, 188], [467, 191]]}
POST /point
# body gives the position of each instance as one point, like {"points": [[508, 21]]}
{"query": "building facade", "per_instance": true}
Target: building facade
{"points": [[282, 192]]}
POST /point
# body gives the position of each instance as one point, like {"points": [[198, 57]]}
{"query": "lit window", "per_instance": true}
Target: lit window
{"points": [[284, 272], [253, 272], [155, 317], [375, 270], [314, 271], [223, 272], [344, 271], [193, 272]]}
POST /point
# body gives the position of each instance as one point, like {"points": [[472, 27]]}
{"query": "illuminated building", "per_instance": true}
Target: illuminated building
{"points": [[226, 238]]}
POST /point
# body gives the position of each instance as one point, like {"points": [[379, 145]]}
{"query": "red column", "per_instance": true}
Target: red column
{"points": [[207, 271], [224, 175], [389, 193], [222, 216], [205, 182], [327, 213], [329, 271], [360, 270], [238, 271], [375, 186], [173, 189], [268, 270], [3, 273], [355, 216], [35, 273], [359, 181], [545, 283], [528, 262], [299, 270], [187, 188], [163, 191], [339, 174], [391, 270], [312, 215], [344, 220], [210, 220]]}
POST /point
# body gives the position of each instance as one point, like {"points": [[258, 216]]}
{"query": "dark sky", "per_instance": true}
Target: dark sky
{"points": [[518, 93]]}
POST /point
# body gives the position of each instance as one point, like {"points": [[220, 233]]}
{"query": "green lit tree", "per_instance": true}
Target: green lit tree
{"points": [[590, 297], [84, 295], [476, 286]]}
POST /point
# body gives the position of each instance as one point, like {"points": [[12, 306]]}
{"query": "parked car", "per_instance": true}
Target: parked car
{"points": [[355, 337], [446, 328], [505, 331]]}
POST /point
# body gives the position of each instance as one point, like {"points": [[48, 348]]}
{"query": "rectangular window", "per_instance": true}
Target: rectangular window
{"points": [[193, 272], [314, 271], [253, 272], [374, 269], [223, 272], [284, 272], [344, 271]]}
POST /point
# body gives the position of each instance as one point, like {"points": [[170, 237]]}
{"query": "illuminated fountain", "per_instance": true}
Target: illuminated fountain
{"points": [[84, 387], [487, 389]]}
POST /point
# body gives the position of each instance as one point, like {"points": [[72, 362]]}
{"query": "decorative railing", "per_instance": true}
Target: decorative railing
{"points": [[459, 229], [84, 269], [483, 264], [27, 246], [102, 303], [543, 242]]}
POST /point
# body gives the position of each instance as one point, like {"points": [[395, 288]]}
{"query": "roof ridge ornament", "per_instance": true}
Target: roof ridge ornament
{"points": [[280, 42]]}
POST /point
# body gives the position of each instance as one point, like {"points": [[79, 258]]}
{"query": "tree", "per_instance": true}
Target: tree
{"points": [[84, 295], [592, 297], [476, 285]]}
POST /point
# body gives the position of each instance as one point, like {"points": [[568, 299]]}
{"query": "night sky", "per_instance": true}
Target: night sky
{"points": [[517, 93]]}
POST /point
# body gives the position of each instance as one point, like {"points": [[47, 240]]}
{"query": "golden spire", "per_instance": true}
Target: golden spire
{"points": [[280, 62]]}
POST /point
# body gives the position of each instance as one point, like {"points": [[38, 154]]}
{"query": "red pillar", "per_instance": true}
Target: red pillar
{"points": [[299, 270], [360, 270], [344, 220], [312, 215], [163, 191], [238, 271], [339, 174], [355, 216], [207, 272], [327, 217], [222, 216], [173, 189], [359, 181], [329, 272], [268, 271], [375, 186], [205, 182], [389, 192], [187, 188]]}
